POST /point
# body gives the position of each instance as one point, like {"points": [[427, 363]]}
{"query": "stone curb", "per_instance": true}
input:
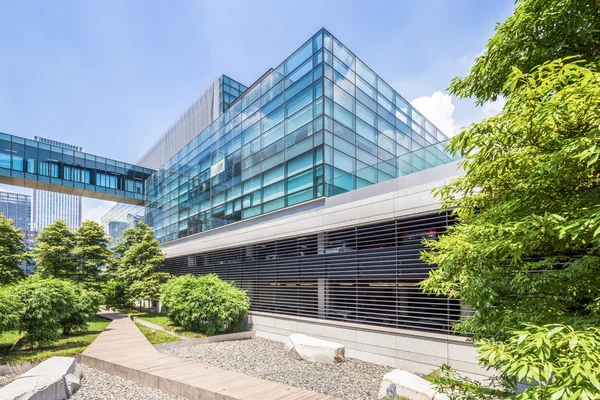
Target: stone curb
{"points": [[209, 339]]}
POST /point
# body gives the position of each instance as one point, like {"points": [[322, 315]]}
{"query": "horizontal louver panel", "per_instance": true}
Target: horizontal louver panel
{"points": [[367, 274]]}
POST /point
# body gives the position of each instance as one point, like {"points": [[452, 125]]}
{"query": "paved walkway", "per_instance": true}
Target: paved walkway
{"points": [[124, 351]]}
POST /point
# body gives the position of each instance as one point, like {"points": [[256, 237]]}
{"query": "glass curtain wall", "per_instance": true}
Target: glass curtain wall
{"points": [[319, 124]]}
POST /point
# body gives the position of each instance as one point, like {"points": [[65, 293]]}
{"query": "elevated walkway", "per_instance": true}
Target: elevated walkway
{"points": [[123, 350], [37, 165]]}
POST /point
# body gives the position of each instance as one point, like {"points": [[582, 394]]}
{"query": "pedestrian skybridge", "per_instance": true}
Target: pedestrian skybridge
{"points": [[36, 165]]}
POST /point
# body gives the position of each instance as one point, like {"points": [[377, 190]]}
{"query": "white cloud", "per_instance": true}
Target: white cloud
{"points": [[94, 209], [438, 108], [491, 108]]}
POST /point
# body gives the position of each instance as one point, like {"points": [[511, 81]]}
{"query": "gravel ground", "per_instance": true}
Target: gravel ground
{"points": [[6, 379], [351, 380], [98, 385]]}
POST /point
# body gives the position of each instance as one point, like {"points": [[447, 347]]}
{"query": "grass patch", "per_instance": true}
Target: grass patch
{"points": [[156, 336], [67, 346], [163, 321]]}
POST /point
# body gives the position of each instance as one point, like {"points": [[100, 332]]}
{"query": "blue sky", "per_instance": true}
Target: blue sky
{"points": [[111, 76]]}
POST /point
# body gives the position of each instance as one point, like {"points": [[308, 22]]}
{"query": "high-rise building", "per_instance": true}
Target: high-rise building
{"points": [[48, 207]]}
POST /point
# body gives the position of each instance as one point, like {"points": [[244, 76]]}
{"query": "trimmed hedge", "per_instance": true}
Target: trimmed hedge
{"points": [[205, 304]]}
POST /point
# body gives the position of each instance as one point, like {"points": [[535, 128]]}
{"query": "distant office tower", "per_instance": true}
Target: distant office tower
{"points": [[18, 208], [50, 206]]}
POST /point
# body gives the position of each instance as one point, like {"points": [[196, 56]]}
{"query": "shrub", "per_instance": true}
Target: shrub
{"points": [[9, 309], [205, 304], [51, 306]]}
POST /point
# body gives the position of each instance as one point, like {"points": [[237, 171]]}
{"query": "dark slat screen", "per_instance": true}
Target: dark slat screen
{"points": [[364, 274]]}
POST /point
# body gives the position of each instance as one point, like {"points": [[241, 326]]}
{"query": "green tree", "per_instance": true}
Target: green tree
{"points": [[53, 251], [527, 245], [12, 251], [91, 253], [538, 31], [138, 259]]}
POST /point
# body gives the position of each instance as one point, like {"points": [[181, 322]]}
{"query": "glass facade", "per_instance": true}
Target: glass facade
{"points": [[32, 163], [229, 91], [320, 124]]}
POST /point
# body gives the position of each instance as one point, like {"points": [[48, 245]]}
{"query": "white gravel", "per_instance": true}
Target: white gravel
{"points": [[98, 385], [351, 380]]}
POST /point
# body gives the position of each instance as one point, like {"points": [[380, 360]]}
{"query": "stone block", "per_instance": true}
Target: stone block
{"points": [[302, 347], [54, 379], [399, 383]]}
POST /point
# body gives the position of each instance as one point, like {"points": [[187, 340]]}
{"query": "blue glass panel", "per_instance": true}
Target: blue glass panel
{"points": [[300, 197], [300, 118], [298, 86], [365, 130], [365, 114], [327, 41], [401, 104], [300, 163], [300, 182], [341, 115], [299, 148], [298, 101], [317, 41], [298, 135], [273, 135], [273, 161], [251, 133], [343, 98], [272, 119], [386, 143], [276, 102], [343, 70], [274, 92], [343, 83], [273, 175], [298, 58], [343, 132], [299, 73], [343, 161], [273, 205], [274, 191], [366, 73], [342, 53], [344, 146]]}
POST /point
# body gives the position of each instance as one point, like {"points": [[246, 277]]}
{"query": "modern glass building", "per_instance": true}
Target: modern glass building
{"points": [[311, 190], [319, 124]]}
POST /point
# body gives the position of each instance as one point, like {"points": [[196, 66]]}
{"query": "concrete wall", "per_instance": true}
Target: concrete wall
{"points": [[419, 352]]}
